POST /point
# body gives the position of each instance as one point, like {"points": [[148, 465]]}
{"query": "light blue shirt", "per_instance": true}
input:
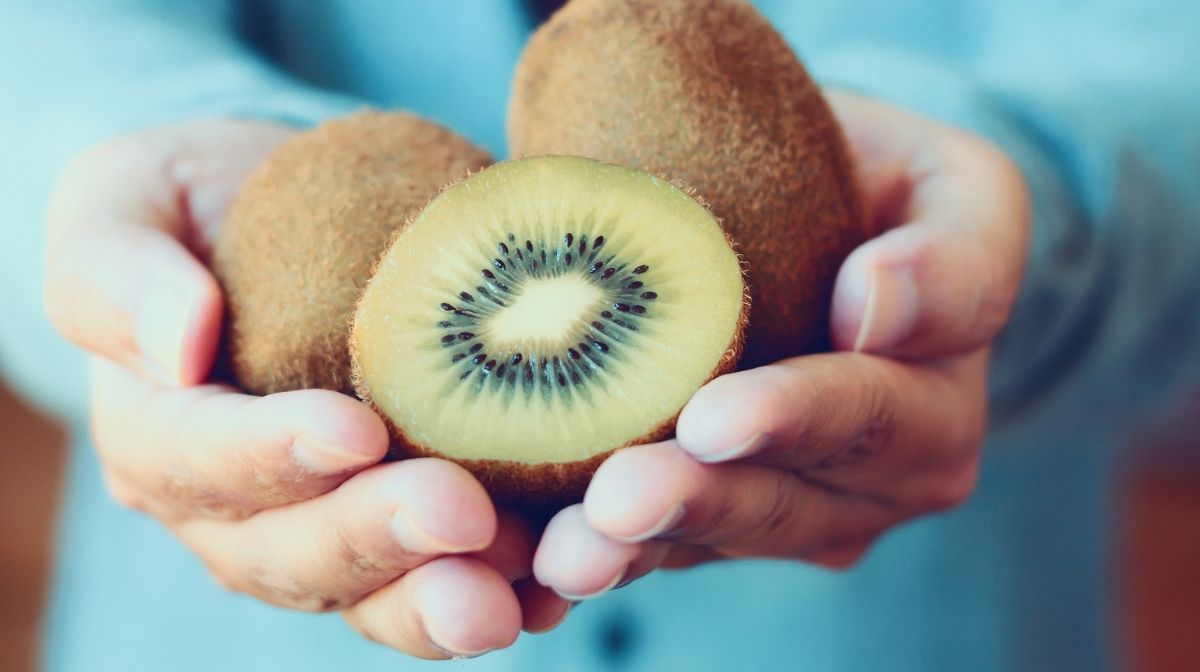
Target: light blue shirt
{"points": [[1097, 101]]}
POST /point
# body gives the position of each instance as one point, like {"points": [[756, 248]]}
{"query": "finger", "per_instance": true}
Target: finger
{"points": [[207, 451], [511, 552], [845, 415], [943, 282], [579, 563], [139, 299], [653, 553], [840, 557], [124, 225], [881, 141], [450, 607], [542, 609], [682, 556], [118, 281], [737, 508], [327, 553]]}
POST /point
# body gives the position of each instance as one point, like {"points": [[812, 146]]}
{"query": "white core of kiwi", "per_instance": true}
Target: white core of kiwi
{"points": [[545, 313]]}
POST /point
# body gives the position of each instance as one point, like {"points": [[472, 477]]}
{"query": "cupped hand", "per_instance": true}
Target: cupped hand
{"points": [[281, 496], [814, 458]]}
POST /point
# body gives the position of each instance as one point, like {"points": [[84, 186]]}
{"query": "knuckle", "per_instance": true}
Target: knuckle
{"points": [[1010, 182], [780, 514], [276, 482], [179, 484], [124, 494], [88, 162], [995, 297], [870, 442], [876, 428], [225, 580], [798, 384], [841, 560], [365, 547], [220, 569], [272, 584], [950, 491], [56, 300], [991, 313], [355, 621], [231, 493], [358, 558], [1012, 197], [85, 167], [984, 154]]}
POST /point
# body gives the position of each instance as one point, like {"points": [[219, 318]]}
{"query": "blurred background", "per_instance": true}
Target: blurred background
{"points": [[1159, 584]]}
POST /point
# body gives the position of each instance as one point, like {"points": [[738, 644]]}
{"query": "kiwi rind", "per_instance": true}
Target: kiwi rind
{"points": [[550, 485], [304, 232], [708, 93]]}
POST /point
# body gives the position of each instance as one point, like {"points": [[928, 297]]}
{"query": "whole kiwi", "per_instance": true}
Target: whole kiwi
{"points": [[304, 232], [706, 92]]}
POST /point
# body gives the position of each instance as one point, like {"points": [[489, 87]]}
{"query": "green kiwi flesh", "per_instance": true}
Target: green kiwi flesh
{"points": [[542, 313]]}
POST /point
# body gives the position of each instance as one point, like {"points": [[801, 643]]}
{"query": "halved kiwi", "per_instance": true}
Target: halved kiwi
{"points": [[542, 313]]}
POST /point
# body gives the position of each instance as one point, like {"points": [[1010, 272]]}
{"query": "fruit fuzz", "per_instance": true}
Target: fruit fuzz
{"points": [[708, 93], [306, 228]]}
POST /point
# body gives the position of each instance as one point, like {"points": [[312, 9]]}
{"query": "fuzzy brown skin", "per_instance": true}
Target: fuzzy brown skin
{"points": [[543, 488], [304, 232], [707, 92]]}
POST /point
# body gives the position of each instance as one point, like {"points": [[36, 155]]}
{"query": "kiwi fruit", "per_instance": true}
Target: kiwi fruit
{"points": [[543, 312], [706, 92], [303, 233]]}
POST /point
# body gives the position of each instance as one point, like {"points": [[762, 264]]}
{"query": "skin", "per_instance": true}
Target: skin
{"points": [[814, 458], [811, 458], [414, 554]]}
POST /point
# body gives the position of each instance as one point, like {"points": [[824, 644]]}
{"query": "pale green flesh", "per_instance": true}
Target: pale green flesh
{"points": [[610, 385]]}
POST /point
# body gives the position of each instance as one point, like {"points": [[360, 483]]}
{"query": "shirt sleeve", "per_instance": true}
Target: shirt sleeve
{"points": [[1101, 112], [79, 71]]}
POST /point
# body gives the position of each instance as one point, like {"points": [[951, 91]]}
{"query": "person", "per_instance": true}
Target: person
{"points": [[967, 121]]}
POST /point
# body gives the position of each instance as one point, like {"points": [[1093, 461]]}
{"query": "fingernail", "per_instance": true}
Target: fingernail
{"points": [[160, 326], [744, 448], [434, 611], [665, 525], [324, 458], [890, 309], [416, 539], [571, 597], [450, 651]]}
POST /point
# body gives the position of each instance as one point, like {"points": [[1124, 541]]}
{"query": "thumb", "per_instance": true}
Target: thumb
{"points": [[944, 282], [119, 281]]}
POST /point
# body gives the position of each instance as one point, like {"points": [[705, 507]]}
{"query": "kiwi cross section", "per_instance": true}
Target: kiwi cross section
{"points": [[511, 360], [546, 311]]}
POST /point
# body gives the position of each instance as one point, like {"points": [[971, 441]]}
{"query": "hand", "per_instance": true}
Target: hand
{"points": [[813, 458], [281, 495]]}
